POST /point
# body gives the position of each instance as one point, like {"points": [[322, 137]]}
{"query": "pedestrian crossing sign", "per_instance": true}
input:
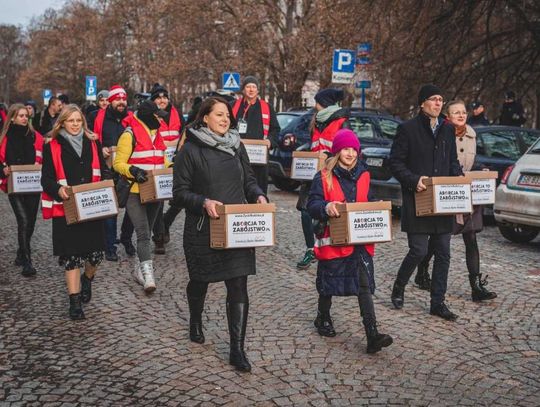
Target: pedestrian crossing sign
{"points": [[231, 81]]}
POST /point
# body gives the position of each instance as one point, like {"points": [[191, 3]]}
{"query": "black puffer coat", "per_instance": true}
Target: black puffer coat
{"points": [[417, 152], [202, 172]]}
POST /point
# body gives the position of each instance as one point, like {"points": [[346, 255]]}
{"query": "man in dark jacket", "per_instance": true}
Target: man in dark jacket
{"points": [[424, 147], [254, 123], [109, 125], [46, 119], [512, 111], [478, 116]]}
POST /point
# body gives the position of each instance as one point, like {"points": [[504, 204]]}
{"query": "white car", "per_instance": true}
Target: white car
{"points": [[517, 201]]}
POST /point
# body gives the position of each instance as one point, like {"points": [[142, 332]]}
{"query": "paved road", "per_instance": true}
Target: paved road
{"points": [[133, 350]]}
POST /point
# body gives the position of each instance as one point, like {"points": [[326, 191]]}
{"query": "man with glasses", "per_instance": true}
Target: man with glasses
{"points": [[424, 147]]}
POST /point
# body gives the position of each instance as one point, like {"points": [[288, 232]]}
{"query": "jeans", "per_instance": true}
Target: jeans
{"points": [[418, 249], [25, 208], [143, 217], [307, 228]]}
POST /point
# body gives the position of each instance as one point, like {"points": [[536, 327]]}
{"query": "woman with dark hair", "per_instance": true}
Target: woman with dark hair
{"points": [[213, 169], [72, 158], [20, 144]]}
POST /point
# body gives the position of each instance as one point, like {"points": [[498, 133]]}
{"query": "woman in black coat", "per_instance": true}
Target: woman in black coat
{"points": [[78, 245], [21, 145], [213, 169]]}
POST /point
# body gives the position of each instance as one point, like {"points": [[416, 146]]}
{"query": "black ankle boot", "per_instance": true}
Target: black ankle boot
{"points": [[398, 294], [75, 307], [86, 288], [28, 269], [422, 277], [375, 340], [479, 292], [237, 314], [19, 260], [324, 324], [196, 306]]}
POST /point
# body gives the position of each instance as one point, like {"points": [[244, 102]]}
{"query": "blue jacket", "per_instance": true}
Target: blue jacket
{"points": [[341, 276]]}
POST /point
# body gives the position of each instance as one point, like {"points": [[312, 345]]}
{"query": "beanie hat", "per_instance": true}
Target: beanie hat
{"points": [[157, 91], [427, 91], [64, 99], [345, 138], [510, 94], [476, 104], [117, 92], [103, 94], [250, 79], [31, 103], [329, 97]]}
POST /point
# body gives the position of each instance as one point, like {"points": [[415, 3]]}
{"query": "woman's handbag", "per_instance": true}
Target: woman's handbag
{"points": [[123, 186]]}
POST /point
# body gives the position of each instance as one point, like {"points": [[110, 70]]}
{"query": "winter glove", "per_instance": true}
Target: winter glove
{"points": [[139, 174]]}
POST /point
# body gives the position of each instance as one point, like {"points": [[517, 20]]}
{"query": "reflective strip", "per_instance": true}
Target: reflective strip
{"points": [[265, 116], [325, 241], [315, 144], [325, 142], [96, 172], [63, 182], [266, 127], [167, 133], [147, 153], [38, 154], [49, 204], [150, 166]]}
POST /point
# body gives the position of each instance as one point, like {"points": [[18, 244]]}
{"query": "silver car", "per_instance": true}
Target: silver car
{"points": [[517, 201]]}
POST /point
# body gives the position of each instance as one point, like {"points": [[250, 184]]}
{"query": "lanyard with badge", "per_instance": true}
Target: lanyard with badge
{"points": [[242, 123]]}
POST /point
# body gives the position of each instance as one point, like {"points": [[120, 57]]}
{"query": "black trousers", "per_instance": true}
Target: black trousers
{"points": [[236, 290], [165, 220], [418, 249], [261, 175], [25, 208]]}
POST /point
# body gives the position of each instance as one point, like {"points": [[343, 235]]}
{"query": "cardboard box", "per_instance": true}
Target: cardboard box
{"points": [[95, 200], [257, 151], [483, 186], [171, 149], [362, 223], [305, 164], [241, 226], [444, 196], [25, 179], [110, 159], [158, 187]]}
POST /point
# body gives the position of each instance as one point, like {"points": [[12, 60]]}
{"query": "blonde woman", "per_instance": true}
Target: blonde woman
{"points": [[72, 158], [343, 270]]}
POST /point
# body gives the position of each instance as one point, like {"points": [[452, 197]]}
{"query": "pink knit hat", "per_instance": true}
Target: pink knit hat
{"points": [[345, 138]]}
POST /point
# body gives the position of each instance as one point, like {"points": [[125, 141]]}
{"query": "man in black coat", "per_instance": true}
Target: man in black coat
{"points": [[512, 113], [424, 147], [478, 116]]}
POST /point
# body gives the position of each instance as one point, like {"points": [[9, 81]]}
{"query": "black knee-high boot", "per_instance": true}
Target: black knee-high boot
{"points": [[237, 314], [196, 306]]}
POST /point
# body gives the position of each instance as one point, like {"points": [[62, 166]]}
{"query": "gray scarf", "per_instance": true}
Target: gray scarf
{"points": [[75, 141], [227, 143], [324, 115]]}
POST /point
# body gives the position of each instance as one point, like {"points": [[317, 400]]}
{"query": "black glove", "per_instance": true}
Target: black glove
{"points": [[139, 174]]}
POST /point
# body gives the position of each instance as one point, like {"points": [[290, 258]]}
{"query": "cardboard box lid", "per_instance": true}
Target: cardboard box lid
{"points": [[254, 142], [308, 154], [364, 206], [28, 167], [91, 185], [447, 181], [161, 171], [482, 174], [245, 208]]}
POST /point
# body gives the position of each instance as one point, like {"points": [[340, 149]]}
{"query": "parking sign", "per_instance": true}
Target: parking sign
{"points": [[91, 88], [47, 94], [343, 65]]}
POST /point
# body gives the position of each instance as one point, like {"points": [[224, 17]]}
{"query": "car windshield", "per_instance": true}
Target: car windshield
{"points": [[362, 126], [284, 119], [535, 149], [388, 127], [500, 144]]}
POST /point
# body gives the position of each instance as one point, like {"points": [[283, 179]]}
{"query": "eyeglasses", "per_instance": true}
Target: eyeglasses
{"points": [[436, 99]]}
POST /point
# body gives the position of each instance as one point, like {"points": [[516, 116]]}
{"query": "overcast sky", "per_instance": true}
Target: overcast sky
{"points": [[19, 12]]}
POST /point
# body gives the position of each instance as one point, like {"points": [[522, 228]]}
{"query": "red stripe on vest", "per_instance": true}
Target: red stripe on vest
{"points": [[174, 126], [265, 114], [146, 155], [323, 140], [323, 249], [38, 147], [51, 208], [100, 120]]}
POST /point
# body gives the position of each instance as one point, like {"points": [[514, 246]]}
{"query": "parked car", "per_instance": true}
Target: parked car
{"points": [[497, 147], [285, 118], [517, 201], [374, 128]]}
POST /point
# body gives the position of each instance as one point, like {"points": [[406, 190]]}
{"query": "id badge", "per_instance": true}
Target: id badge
{"points": [[242, 126]]}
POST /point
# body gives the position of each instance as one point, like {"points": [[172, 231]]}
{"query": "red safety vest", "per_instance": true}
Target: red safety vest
{"points": [[38, 146], [323, 248], [146, 155], [322, 140], [100, 119], [51, 208], [171, 131], [265, 113]]}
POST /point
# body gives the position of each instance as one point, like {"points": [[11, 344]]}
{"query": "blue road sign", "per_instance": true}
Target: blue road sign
{"points": [[343, 61], [231, 80], [47, 94], [364, 48], [362, 85], [91, 88]]}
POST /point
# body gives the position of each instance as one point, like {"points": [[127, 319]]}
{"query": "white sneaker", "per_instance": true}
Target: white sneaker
{"points": [[147, 270], [137, 274]]}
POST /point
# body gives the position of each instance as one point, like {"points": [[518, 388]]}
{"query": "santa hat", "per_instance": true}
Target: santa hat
{"points": [[117, 92]]}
